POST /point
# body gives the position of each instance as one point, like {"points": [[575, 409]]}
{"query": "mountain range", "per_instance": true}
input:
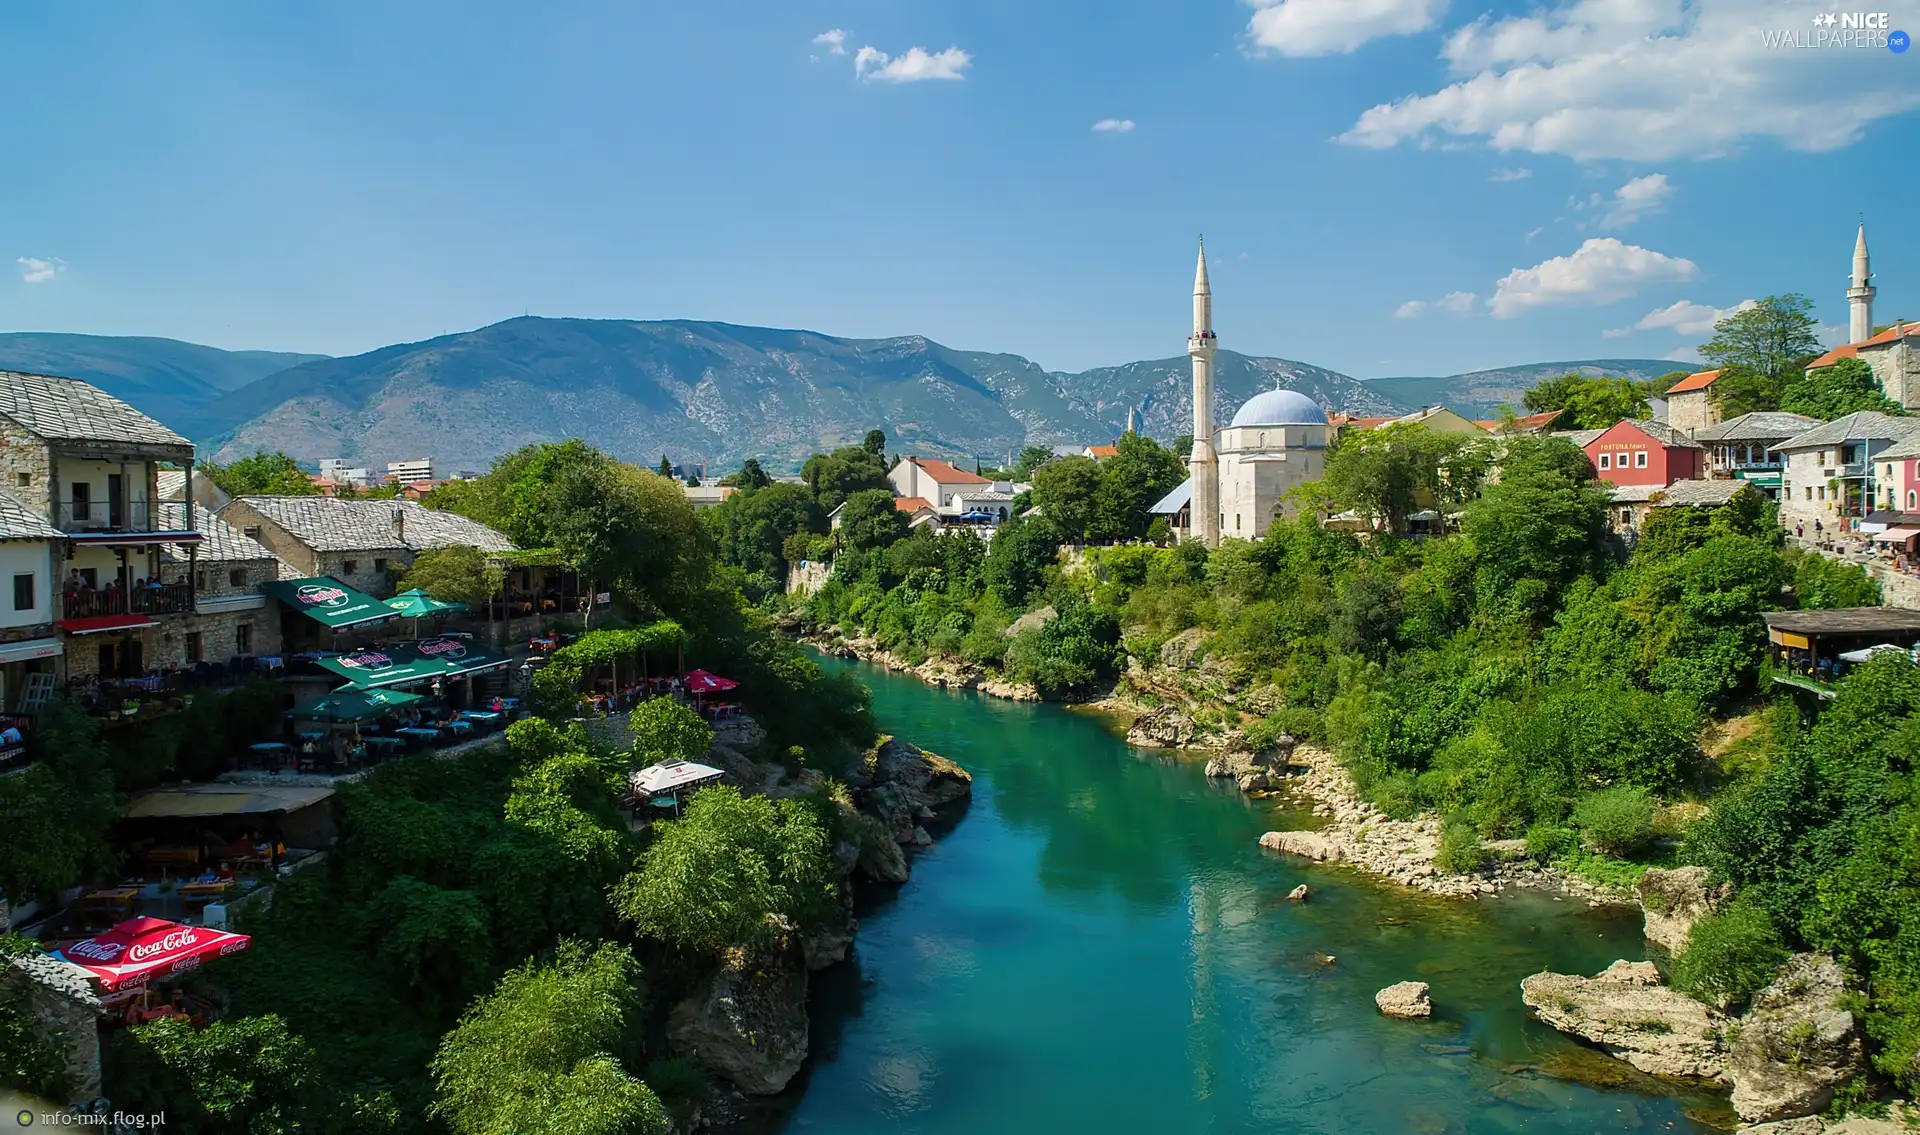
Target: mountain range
{"points": [[693, 391], [1478, 394]]}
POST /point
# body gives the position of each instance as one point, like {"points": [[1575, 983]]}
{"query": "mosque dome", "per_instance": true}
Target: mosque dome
{"points": [[1280, 408]]}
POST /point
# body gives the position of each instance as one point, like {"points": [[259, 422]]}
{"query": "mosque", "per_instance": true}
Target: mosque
{"points": [[1242, 474]]}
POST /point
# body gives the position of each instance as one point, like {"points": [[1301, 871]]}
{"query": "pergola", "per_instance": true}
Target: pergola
{"points": [[1805, 639]]}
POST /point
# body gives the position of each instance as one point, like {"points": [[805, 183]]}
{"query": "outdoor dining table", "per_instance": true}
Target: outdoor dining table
{"points": [[481, 717], [421, 733], [113, 898], [311, 735], [383, 742], [271, 749], [206, 890], [460, 726]]}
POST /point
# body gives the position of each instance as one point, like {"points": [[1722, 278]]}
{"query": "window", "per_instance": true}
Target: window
{"points": [[23, 591], [200, 580], [380, 565], [1236, 522], [193, 647], [237, 577], [1823, 493], [243, 639], [1639, 459], [23, 480], [251, 532], [1606, 460], [1809, 492], [1910, 499], [348, 567]]}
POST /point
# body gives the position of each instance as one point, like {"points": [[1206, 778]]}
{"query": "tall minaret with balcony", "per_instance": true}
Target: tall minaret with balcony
{"points": [[1204, 465], [1860, 295]]}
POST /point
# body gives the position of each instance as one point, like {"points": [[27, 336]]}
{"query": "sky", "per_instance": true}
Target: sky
{"points": [[1387, 187]]}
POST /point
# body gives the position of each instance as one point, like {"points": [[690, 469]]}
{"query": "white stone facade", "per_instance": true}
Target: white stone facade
{"points": [[1259, 467]]}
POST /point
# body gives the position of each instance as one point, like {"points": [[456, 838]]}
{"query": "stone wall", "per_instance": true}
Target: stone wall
{"points": [[215, 579], [807, 577], [64, 1006], [219, 636], [371, 572], [23, 453], [1897, 589]]}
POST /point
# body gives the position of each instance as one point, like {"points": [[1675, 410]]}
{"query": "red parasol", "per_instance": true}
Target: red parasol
{"points": [[140, 949], [701, 682]]}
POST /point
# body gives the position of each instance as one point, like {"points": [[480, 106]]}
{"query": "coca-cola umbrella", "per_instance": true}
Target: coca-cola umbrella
{"points": [[701, 682], [141, 949]]}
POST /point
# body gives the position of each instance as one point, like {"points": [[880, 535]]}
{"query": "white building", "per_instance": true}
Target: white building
{"points": [[343, 472], [1829, 472], [943, 486], [407, 472], [1276, 442]]}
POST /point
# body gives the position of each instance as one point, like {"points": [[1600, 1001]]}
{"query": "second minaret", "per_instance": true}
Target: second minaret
{"points": [[1203, 464]]}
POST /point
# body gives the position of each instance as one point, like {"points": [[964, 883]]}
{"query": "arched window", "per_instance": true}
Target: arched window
{"points": [[1910, 498]]}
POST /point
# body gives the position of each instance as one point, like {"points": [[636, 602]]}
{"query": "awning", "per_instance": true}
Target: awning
{"points": [[201, 800], [701, 682], [99, 623], [32, 648], [406, 663], [329, 602], [417, 604], [352, 705], [141, 949], [1896, 535], [672, 776], [1868, 653]]}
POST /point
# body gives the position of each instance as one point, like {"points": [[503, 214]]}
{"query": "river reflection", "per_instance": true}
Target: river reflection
{"points": [[1101, 946]]}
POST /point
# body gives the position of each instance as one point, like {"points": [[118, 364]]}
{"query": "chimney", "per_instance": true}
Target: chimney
{"points": [[399, 525]]}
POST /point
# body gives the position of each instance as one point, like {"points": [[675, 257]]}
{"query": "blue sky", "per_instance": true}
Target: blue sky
{"points": [[1387, 186]]}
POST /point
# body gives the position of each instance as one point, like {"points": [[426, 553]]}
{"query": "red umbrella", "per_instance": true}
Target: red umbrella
{"points": [[140, 949], [701, 682]]}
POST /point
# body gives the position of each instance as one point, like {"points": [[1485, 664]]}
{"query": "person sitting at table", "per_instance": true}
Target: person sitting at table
{"points": [[497, 705]]}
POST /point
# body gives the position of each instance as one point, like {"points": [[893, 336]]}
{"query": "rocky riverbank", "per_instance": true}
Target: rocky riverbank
{"points": [[747, 1021], [945, 673]]}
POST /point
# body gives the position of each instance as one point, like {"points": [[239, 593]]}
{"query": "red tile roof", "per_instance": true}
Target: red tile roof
{"points": [[1099, 451], [911, 504], [1527, 424], [1831, 357], [1362, 423], [1852, 350], [1698, 381], [943, 473]]}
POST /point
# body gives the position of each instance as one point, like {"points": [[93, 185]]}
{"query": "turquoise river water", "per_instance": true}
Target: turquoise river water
{"points": [[1098, 944]]}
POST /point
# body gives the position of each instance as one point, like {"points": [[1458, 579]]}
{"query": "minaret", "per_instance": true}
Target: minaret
{"points": [[1860, 295], [1133, 422], [1203, 464]]}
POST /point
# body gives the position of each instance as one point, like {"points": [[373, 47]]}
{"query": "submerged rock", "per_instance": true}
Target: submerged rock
{"points": [[1406, 999], [1796, 1044], [1312, 845], [1629, 1014], [748, 1021], [1299, 893], [1254, 782], [1163, 728], [1673, 900]]}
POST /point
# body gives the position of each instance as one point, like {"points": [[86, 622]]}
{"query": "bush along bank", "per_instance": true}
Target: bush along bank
{"points": [[1539, 703]]}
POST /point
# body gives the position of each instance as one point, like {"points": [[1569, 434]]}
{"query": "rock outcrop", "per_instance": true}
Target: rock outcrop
{"points": [[1626, 1011], [1185, 650], [748, 1021], [1673, 900], [1406, 999], [1309, 845], [1796, 1044], [826, 942], [900, 787], [1163, 728], [1298, 894]]}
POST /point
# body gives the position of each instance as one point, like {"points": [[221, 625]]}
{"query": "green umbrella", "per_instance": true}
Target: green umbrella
{"points": [[353, 705], [417, 604]]}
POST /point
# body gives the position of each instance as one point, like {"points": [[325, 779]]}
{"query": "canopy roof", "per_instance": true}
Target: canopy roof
{"points": [[417, 604], [1890, 621], [141, 949], [196, 800], [352, 705], [701, 682], [406, 663], [329, 602], [672, 776]]}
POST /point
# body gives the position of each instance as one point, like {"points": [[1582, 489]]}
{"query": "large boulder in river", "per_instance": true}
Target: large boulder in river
{"points": [[1673, 900], [1162, 728], [883, 861], [1407, 999], [1311, 845], [748, 1021], [827, 941], [1796, 1044], [1628, 1013], [896, 783]]}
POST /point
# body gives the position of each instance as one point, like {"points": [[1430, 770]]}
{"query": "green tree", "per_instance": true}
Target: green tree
{"points": [[1130, 482], [749, 476], [240, 1076], [1031, 458], [717, 876], [535, 1056], [751, 528], [1065, 491], [833, 477], [1775, 338], [1388, 474], [1743, 390], [665, 730], [54, 813], [1018, 558], [1588, 403], [875, 443], [1830, 392], [1535, 532], [871, 521], [456, 573], [1730, 956], [665, 468], [263, 474]]}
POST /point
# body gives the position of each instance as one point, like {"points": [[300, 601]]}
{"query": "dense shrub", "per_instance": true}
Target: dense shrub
{"points": [[1615, 821], [1460, 851], [1730, 956]]}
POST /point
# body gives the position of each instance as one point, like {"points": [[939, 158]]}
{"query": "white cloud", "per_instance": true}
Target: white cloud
{"points": [[834, 40], [35, 270], [1598, 79], [1641, 197], [1520, 174], [1599, 272], [1453, 303], [1531, 233], [874, 65], [1684, 317], [1616, 333], [1113, 126], [1335, 27], [1683, 355]]}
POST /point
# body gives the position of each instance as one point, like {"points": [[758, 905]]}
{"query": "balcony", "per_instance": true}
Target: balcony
{"points": [[105, 516], [167, 599]]}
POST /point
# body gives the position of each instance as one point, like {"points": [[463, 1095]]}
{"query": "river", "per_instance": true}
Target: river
{"points": [[1099, 945]]}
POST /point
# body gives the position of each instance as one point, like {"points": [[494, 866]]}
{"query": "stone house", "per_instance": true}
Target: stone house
{"points": [[29, 644], [1893, 356], [1831, 472], [1690, 402], [939, 483], [89, 464], [1746, 448], [233, 617], [365, 544]]}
